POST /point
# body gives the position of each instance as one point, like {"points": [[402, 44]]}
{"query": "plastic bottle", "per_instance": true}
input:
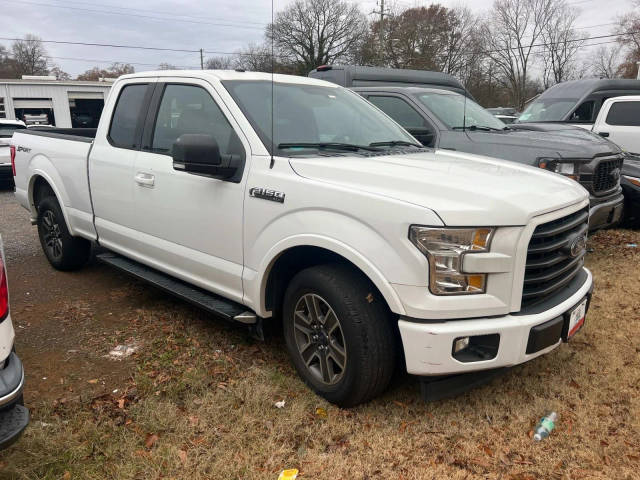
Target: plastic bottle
{"points": [[545, 426], [289, 474]]}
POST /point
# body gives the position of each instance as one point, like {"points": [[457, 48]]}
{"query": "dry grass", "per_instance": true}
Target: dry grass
{"points": [[200, 404]]}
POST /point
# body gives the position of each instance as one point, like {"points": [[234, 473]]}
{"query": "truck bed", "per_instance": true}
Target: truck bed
{"points": [[59, 155]]}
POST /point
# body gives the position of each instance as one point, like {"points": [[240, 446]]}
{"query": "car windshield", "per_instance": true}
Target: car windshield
{"points": [[6, 131], [547, 110], [451, 107], [315, 117]]}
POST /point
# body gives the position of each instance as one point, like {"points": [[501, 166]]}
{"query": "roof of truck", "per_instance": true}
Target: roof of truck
{"points": [[407, 90], [580, 88], [231, 75]]}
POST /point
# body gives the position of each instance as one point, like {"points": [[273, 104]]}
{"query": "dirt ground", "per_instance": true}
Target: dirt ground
{"points": [[196, 400]]}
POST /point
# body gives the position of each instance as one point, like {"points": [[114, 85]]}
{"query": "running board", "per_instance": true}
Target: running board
{"points": [[208, 301]]}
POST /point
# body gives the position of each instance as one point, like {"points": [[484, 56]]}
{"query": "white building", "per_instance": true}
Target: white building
{"points": [[45, 100]]}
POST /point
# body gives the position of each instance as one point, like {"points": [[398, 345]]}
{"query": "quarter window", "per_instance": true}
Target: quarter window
{"points": [[624, 114], [126, 115], [584, 113], [190, 109]]}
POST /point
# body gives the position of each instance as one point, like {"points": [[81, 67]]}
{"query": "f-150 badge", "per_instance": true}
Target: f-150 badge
{"points": [[267, 194]]}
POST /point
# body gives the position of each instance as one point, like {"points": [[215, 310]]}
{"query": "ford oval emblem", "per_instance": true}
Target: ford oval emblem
{"points": [[578, 245]]}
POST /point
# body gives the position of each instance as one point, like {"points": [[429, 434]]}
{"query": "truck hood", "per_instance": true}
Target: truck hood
{"points": [[548, 139], [463, 189]]}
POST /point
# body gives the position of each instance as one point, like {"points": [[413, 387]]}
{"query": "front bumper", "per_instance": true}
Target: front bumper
{"points": [[428, 346], [14, 417], [605, 212]]}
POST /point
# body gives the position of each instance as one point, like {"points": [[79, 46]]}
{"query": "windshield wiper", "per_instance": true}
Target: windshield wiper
{"points": [[394, 143], [479, 127], [349, 147]]}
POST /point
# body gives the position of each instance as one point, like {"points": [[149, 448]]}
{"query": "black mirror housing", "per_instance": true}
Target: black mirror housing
{"points": [[199, 154]]}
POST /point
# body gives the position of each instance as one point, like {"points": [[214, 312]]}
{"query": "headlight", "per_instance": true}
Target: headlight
{"points": [[445, 249], [563, 167]]}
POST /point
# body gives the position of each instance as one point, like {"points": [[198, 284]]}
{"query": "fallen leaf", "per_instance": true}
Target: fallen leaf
{"points": [[95, 380], [574, 384], [321, 412], [183, 456], [279, 404], [67, 475], [121, 403], [150, 440], [487, 450], [400, 404]]}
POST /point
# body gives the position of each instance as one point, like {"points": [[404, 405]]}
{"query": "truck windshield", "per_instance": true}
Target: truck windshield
{"points": [[6, 131], [314, 117], [547, 110], [450, 108]]}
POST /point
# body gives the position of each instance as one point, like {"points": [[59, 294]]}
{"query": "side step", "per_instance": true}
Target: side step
{"points": [[208, 301]]}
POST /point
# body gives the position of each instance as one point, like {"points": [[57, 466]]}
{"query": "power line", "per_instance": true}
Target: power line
{"points": [[110, 45], [107, 12], [94, 60], [158, 12]]}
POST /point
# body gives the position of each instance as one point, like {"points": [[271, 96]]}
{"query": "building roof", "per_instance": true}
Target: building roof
{"points": [[68, 83]]}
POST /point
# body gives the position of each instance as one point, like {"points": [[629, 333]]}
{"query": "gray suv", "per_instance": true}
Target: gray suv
{"points": [[437, 111]]}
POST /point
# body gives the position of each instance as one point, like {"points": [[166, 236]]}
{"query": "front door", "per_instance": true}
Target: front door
{"points": [[189, 225]]}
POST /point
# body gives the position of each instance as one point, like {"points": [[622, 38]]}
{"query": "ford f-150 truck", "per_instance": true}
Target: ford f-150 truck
{"points": [[296, 199]]}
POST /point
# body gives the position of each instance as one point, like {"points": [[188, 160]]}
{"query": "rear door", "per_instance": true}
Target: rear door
{"points": [[621, 123], [190, 225], [112, 159]]}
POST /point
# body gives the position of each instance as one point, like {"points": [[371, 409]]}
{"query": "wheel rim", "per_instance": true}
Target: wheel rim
{"points": [[52, 234], [320, 339]]}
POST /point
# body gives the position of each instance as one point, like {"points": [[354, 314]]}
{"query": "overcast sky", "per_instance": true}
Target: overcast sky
{"points": [[215, 25]]}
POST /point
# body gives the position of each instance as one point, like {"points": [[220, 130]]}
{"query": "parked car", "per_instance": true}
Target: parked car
{"points": [[320, 211], [7, 127], [619, 121], [577, 102], [14, 417], [446, 120], [631, 187]]}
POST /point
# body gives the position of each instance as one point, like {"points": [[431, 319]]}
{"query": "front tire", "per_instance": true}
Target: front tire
{"points": [[64, 251], [339, 334]]}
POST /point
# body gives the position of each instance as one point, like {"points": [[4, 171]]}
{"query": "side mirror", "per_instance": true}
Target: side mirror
{"points": [[423, 135], [199, 154]]}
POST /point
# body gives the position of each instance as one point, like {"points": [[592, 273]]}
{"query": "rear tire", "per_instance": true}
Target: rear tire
{"points": [[64, 251], [339, 334]]}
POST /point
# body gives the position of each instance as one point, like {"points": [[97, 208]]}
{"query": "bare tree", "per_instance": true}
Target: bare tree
{"points": [[255, 58], [30, 56], [511, 32], [166, 66], [7, 65], [562, 45], [114, 71], [219, 63], [60, 74], [605, 62], [629, 30], [310, 33]]}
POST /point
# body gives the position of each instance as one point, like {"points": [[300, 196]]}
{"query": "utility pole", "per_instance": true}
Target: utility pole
{"points": [[201, 59], [382, 13]]}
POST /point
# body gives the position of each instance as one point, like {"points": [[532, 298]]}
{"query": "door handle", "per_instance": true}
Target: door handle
{"points": [[603, 134], [145, 179]]}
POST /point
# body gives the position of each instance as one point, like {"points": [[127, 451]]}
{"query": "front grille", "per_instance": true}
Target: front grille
{"points": [[550, 265], [604, 177]]}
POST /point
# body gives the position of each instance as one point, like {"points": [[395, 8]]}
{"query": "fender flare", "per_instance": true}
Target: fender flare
{"points": [[32, 180], [337, 247]]}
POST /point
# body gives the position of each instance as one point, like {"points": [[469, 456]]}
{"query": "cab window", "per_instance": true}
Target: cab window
{"points": [[624, 114], [584, 113], [190, 109]]}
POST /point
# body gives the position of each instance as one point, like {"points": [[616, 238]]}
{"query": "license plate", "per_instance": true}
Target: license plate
{"points": [[576, 318]]}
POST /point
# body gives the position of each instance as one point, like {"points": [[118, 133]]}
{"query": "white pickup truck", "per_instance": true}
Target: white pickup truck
{"points": [[295, 199], [619, 121]]}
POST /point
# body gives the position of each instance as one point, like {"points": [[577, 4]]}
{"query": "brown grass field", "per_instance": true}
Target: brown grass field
{"points": [[197, 399]]}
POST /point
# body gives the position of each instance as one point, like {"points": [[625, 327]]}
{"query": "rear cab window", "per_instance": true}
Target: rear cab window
{"points": [[7, 129], [624, 114], [128, 115]]}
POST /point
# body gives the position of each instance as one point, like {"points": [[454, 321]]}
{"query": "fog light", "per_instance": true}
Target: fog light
{"points": [[460, 344]]}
